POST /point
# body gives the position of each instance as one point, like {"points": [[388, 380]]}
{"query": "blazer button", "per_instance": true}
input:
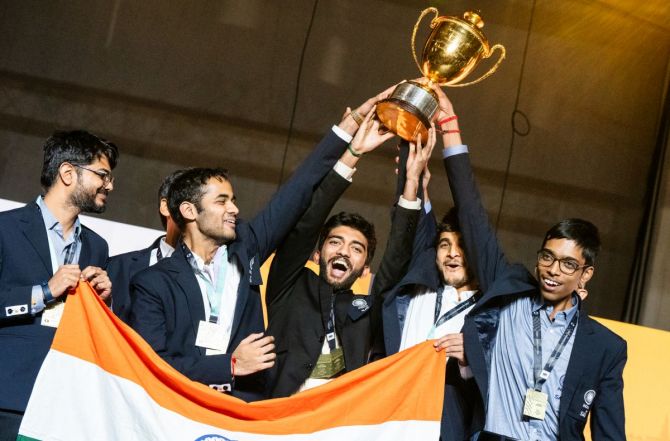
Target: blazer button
{"points": [[309, 366]]}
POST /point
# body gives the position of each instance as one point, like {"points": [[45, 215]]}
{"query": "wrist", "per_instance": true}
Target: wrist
{"points": [[47, 295]]}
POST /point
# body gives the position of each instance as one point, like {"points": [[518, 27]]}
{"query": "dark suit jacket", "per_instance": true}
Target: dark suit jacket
{"points": [[598, 355], [166, 300], [25, 261], [299, 301], [121, 268]]}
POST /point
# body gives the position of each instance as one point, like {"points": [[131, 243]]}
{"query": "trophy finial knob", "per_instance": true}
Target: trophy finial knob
{"points": [[474, 19]]}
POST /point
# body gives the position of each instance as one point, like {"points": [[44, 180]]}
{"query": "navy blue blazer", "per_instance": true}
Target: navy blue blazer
{"points": [[25, 261], [166, 299], [593, 381], [121, 268]]}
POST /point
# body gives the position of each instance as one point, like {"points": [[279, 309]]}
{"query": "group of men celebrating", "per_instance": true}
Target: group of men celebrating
{"points": [[524, 360]]}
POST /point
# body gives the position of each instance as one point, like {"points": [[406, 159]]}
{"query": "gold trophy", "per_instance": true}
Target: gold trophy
{"points": [[453, 49]]}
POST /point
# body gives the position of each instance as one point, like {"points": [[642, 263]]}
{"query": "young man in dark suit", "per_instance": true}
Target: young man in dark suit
{"points": [[121, 268], [539, 362], [44, 252], [201, 308], [321, 328]]}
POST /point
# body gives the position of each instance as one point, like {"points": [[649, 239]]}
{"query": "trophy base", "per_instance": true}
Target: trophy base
{"points": [[408, 111]]}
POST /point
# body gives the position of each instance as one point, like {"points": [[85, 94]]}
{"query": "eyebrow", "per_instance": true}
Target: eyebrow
{"points": [[225, 196], [561, 257], [357, 242]]}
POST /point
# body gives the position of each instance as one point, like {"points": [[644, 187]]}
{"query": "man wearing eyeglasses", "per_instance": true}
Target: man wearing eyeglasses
{"points": [[539, 362], [44, 252]]}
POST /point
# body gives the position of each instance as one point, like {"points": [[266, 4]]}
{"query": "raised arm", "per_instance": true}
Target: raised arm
{"points": [[298, 246], [279, 216]]}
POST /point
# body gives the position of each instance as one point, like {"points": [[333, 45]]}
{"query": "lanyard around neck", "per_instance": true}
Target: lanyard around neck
{"points": [[541, 375]]}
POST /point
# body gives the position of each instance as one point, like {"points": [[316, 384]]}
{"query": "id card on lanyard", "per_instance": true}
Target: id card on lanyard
{"points": [[535, 401]]}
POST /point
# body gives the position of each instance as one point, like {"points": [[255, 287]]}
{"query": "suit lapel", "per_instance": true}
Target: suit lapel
{"points": [[184, 276], [579, 362], [35, 231], [237, 256], [86, 253]]}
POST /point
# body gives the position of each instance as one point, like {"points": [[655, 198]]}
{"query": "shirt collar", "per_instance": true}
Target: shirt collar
{"points": [[539, 303], [166, 248], [52, 223]]}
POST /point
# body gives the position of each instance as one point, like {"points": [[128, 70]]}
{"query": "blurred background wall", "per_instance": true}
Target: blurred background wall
{"points": [[574, 124]]}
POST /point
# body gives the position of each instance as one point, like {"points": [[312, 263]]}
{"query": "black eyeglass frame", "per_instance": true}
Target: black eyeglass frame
{"points": [[107, 177], [568, 271]]}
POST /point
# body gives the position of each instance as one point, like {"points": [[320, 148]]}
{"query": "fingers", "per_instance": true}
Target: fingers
{"points": [[251, 337], [65, 278]]}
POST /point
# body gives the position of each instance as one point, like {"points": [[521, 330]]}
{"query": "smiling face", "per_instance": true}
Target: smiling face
{"points": [[217, 213], [451, 263], [342, 257], [90, 192], [555, 285]]}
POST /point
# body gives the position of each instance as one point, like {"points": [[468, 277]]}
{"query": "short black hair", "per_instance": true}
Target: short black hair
{"points": [[189, 187], [355, 221], [449, 224], [583, 232], [77, 147], [164, 189]]}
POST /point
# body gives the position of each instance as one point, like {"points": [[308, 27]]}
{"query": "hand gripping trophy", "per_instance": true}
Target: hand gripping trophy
{"points": [[453, 49]]}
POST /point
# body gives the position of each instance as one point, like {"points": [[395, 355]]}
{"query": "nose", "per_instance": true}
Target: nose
{"points": [[110, 185], [454, 251], [554, 268], [232, 208]]}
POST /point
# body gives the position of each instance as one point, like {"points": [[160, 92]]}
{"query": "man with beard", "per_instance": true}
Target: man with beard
{"points": [[44, 252], [123, 267], [200, 309], [322, 329]]}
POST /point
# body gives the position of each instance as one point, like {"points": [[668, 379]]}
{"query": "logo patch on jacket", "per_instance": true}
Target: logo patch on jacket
{"points": [[589, 396], [359, 306]]}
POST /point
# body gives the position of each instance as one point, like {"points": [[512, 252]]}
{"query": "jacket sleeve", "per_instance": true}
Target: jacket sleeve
{"points": [[148, 319], [275, 221], [608, 415], [298, 246], [481, 244]]}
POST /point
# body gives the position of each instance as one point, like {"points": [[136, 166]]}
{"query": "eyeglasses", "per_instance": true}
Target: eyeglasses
{"points": [[106, 176], [567, 265]]}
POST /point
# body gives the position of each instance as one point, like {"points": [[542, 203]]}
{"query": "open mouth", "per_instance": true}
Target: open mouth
{"points": [[339, 267], [550, 284]]}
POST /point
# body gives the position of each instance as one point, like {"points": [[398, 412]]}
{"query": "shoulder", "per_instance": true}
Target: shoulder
{"points": [[605, 336], [92, 236], [14, 214], [158, 274]]}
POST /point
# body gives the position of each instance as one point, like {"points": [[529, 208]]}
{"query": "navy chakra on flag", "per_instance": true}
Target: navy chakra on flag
{"points": [[213, 438]]}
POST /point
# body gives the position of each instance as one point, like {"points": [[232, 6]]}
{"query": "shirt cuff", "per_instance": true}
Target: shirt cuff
{"points": [[410, 205], [427, 207], [466, 372], [344, 170], [37, 300], [454, 150], [342, 134]]}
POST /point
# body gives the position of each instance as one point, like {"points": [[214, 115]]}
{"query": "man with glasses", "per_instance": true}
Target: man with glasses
{"points": [[539, 362], [44, 252]]}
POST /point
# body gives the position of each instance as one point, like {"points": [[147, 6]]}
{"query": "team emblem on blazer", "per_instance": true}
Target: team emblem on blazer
{"points": [[589, 396], [361, 304]]}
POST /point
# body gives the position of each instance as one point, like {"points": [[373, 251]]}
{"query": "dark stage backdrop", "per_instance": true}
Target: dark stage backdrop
{"points": [[566, 128]]}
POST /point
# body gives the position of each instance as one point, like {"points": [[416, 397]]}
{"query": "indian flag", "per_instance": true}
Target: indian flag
{"points": [[102, 381]]}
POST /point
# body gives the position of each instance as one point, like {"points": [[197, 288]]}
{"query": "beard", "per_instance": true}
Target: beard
{"points": [[344, 284], [84, 200]]}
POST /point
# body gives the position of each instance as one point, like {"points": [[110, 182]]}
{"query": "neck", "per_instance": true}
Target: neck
{"points": [[65, 214], [200, 245], [559, 305]]}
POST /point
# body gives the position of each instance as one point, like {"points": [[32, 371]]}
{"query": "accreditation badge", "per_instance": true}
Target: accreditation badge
{"points": [[329, 365], [212, 337], [535, 404], [52, 314]]}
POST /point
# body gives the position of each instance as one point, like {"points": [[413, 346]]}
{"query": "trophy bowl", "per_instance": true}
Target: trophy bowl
{"points": [[453, 49]]}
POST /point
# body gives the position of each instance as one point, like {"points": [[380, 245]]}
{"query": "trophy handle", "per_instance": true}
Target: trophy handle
{"points": [[416, 26], [490, 72]]}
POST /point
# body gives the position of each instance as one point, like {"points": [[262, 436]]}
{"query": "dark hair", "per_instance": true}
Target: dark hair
{"points": [[164, 189], [583, 232], [76, 147], [355, 221], [189, 187], [449, 224]]}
